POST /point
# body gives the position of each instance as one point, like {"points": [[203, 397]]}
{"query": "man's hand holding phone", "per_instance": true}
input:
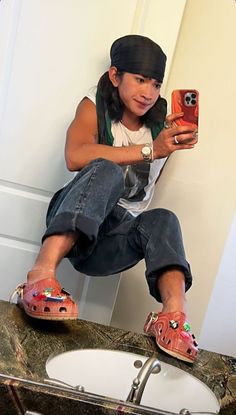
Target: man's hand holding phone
{"points": [[185, 112], [181, 127], [186, 101]]}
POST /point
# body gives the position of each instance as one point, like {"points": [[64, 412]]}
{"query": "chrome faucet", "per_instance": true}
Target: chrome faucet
{"points": [[152, 365]]}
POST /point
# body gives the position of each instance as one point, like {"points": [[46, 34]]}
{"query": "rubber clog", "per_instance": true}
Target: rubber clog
{"points": [[172, 334], [47, 300]]}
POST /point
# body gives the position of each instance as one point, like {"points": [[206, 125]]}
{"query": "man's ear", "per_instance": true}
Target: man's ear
{"points": [[113, 76]]}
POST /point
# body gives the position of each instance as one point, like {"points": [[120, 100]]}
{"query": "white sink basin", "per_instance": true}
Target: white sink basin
{"points": [[110, 373]]}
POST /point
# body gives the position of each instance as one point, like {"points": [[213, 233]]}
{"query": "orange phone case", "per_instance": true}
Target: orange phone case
{"points": [[186, 101]]}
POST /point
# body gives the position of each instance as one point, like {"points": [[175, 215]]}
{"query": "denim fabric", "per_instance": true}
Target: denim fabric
{"points": [[110, 239]]}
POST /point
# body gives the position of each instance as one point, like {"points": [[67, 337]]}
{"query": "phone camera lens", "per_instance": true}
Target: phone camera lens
{"points": [[193, 96]]}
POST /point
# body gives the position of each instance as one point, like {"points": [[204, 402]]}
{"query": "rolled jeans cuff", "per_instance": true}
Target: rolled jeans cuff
{"points": [[69, 222]]}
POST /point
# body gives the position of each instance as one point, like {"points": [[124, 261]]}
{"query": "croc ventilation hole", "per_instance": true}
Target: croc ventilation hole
{"points": [[47, 309], [166, 341]]}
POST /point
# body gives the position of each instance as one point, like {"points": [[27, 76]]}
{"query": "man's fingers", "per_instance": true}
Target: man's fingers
{"points": [[172, 117]]}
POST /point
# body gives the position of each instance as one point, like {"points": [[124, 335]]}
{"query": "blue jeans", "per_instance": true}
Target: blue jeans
{"points": [[110, 239]]}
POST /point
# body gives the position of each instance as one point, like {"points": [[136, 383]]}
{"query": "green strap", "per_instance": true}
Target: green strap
{"points": [[108, 133], [156, 129]]}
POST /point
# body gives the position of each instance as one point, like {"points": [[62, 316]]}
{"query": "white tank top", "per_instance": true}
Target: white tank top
{"points": [[139, 178]]}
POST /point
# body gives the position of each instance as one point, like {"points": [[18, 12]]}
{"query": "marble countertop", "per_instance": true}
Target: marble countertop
{"points": [[26, 344]]}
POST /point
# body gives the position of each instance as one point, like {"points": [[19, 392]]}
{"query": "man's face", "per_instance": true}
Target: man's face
{"points": [[138, 93]]}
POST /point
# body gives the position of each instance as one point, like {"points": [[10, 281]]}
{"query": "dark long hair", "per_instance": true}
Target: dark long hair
{"points": [[115, 106]]}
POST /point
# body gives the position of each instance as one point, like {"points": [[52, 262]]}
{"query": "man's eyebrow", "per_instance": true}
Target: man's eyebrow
{"points": [[148, 77]]}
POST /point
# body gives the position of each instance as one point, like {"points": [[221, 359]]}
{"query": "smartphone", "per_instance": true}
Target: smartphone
{"points": [[186, 101]]}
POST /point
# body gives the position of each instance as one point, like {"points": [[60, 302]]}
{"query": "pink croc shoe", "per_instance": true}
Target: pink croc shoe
{"points": [[47, 300], [172, 334]]}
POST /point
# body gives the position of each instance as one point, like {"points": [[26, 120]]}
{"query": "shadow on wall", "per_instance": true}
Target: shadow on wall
{"points": [[218, 333]]}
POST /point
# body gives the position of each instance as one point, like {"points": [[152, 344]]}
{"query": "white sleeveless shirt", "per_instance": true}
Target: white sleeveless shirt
{"points": [[139, 178]]}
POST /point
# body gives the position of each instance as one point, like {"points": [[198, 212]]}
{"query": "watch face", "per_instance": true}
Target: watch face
{"points": [[146, 151]]}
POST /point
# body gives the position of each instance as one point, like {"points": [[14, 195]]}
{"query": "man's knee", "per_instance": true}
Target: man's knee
{"points": [[109, 172], [167, 216], [109, 166], [161, 216]]}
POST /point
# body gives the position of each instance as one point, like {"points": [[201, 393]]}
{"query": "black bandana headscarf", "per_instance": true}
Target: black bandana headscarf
{"points": [[138, 54]]}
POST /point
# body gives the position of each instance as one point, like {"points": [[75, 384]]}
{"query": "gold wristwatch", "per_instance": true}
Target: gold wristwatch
{"points": [[147, 153]]}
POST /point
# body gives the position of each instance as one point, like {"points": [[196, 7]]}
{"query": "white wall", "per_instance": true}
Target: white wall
{"points": [[218, 331], [199, 186]]}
